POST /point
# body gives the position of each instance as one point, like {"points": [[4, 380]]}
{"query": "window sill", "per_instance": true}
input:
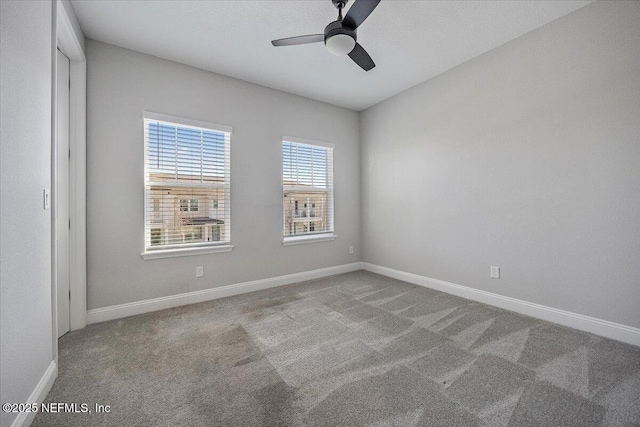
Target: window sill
{"points": [[172, 253], [300, 240]]}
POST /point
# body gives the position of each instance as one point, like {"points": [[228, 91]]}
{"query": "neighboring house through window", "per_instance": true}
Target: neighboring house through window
{"points": [[307, 177], [187, 183]]}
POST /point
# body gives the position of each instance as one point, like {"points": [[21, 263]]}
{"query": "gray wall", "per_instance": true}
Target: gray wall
{"points": [[527, 158], [121, 84], [26, 347]]}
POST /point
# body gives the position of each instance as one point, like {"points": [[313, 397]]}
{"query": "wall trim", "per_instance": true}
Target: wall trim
{"points": [[78, 195], [37, 395], [66, 35], [578, 321], [73, 47], [596, 326], [146, 306]]}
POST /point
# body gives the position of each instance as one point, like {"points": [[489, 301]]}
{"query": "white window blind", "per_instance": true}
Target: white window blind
{"points": [[307, 176], [187, 185]]}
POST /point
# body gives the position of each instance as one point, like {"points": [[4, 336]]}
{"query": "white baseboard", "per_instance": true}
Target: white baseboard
{"points": [[24, 419], [596, 326], [155, 304]]}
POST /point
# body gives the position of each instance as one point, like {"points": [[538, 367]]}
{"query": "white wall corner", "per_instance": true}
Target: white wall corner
{"points": [[605, 328], [38, 395]]}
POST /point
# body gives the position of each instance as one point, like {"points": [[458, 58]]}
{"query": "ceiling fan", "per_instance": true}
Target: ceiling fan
{"points": [[340, 36]]}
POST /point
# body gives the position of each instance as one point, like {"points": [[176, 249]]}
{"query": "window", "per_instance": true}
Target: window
{"points": [[189, 205], [187, 184], [215, 233], [307, 177], [156, 236], [193, 234]]}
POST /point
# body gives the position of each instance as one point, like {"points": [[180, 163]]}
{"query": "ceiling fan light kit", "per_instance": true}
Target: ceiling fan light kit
{"points": [[340, 44], [340, 36]]}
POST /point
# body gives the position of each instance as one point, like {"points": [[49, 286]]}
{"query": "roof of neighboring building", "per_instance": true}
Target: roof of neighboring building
{"points": [[202, 220]]}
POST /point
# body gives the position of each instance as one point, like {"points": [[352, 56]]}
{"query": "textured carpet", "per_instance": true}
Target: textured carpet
{"points": [[356, 349]]}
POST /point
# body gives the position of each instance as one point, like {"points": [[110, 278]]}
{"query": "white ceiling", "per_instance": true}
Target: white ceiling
{"points": [[410, 41]]}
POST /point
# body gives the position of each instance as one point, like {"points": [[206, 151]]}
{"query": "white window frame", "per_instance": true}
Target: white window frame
{"points": [[205, 248], [316, 237]]}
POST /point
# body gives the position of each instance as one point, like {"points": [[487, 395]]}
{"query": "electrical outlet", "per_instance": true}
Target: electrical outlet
{"points": [[199, 271], [495, 272], [350, 249]]}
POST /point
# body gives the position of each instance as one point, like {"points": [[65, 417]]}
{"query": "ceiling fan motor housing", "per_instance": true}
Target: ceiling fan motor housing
{"points": [[339, 40], [339, 4]]}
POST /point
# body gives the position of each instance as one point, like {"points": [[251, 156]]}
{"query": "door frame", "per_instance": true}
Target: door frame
{"points": [[62, 188], [67, 39]]}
